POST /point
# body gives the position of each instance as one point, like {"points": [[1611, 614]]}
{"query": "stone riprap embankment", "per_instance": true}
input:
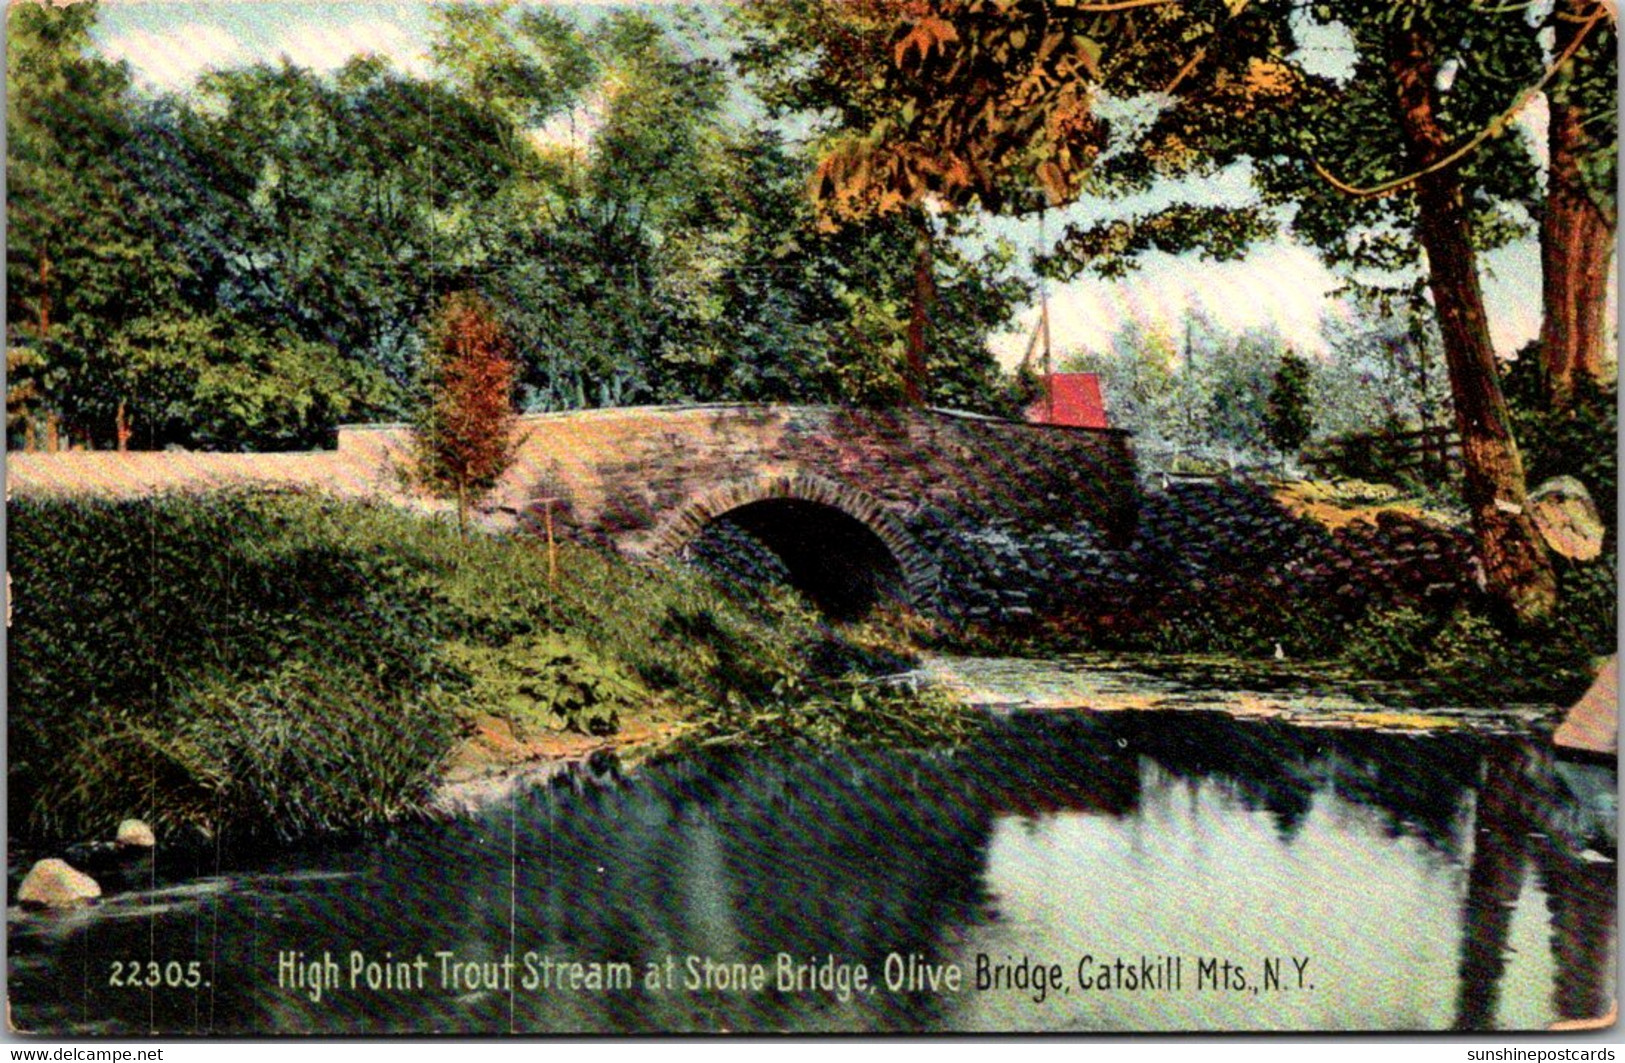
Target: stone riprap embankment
{"points": [[1197, 543]]}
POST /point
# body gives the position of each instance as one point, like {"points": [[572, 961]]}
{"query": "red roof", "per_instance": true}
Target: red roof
{"points": [[1071, 399]]}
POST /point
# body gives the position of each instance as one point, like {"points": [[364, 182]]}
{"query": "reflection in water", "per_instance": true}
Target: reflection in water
{"points": [[1249, 875], [1524, 815]]}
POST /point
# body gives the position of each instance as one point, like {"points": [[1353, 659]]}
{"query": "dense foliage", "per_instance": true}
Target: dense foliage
{"points": [[246, 263], [1581, 440], [1398, 168], [1288, 418], [262, 665], [1208, 388], [221, 663]]}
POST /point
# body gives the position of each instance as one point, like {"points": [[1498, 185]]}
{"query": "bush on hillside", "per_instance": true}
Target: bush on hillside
{"points": [[277, 664]]}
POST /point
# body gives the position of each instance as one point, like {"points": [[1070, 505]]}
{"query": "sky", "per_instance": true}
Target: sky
{"points": [[1280, 285], [169, 44]]}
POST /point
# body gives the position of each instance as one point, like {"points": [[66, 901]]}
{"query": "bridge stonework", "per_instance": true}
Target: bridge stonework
{"points": [[646, 480]]}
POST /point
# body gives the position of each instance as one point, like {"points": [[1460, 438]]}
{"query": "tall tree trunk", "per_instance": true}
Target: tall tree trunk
{"points": [[917, 370], [44, 332], [1576, 233], [1517, 570], [44, 309]]}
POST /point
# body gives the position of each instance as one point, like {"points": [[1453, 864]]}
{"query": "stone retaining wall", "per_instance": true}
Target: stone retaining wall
{"points": [[1198, 542], [991, 521]]}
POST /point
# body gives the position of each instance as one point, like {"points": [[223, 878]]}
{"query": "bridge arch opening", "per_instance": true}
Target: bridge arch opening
{"points": [[834, 559]]}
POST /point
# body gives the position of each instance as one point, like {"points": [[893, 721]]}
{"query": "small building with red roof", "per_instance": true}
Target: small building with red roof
{"points": [[1071, 399]]}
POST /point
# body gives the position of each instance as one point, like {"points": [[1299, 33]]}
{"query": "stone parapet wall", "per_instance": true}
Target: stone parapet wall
{"points": [[627, 475], [991, 521], [136, 473], [646, 479]]}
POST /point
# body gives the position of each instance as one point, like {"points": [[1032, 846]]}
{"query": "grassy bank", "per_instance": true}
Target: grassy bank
{"points": [[268, 666]]}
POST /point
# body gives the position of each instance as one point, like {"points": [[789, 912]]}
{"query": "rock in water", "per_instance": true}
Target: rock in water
{"points": [[1592, 725], [136, 834], [53, 884], [1567, 518]]}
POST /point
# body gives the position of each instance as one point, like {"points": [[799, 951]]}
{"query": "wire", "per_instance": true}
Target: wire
{"points": [[1494, 127]]}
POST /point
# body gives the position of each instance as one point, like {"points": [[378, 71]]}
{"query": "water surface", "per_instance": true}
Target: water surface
{"points": [[1069, 872]]}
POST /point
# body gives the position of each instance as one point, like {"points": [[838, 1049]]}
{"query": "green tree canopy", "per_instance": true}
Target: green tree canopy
{"points": [[663, 249], [80, 265], [247, 262], [1289, 417]]}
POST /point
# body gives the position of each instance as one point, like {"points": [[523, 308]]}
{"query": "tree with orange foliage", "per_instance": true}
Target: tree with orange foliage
{"points": [[465, 431]]}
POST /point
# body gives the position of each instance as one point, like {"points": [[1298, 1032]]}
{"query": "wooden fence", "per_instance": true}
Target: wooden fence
{"points": [[1433, 452]]}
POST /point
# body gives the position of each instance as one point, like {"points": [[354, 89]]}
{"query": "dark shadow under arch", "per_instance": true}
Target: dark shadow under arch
{"points": [[839, 545], [831, 557]]}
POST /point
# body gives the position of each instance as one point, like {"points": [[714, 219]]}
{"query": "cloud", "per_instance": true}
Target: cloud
{"points": [[328, 47], [1281, 286], [172, 58]]}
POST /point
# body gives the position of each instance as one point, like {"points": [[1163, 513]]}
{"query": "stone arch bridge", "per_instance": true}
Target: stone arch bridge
{"points": [[850, 501], [846, 498]]}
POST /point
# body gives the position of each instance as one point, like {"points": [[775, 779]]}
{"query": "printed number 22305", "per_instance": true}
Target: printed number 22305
{"points": [[150, 974]]}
